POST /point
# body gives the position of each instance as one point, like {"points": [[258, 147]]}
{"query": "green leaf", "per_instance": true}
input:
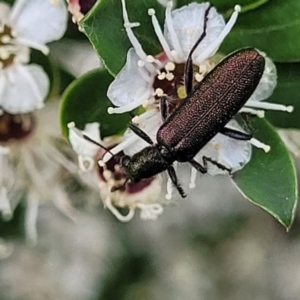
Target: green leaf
{"points": [[269, 179], [104, 27], [225, 6], [85, 101], [287, 93], [273, 28]]}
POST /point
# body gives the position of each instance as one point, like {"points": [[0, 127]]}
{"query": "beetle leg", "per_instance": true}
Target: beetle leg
{"points": [[173, 177], [198, 167], [235, 134], [163, 108], [139, 132], [220, 166], [189, 72]]}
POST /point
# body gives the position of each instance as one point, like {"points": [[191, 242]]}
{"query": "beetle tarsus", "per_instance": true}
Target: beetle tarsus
{"points": [[220, 166], [173, 177]]}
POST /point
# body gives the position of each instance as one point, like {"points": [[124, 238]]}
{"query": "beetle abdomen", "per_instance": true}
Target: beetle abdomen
{"points": [[212, 104]]}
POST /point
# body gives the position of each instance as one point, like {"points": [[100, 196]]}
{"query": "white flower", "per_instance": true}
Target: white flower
{"points": [[144, 195], [28, 24], [145, 79], [32, 165]]}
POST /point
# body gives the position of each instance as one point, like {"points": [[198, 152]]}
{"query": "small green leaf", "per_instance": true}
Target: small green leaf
{"points": [[272, 28], [104, 27], [269, 179], [85, 101], [287, 93]]}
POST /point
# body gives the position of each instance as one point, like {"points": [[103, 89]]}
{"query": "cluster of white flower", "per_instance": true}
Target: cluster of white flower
{"points": [[27, 150], [145, 79]]}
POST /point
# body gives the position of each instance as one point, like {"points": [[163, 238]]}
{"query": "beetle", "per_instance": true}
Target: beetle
{"points": [[205, 111]]}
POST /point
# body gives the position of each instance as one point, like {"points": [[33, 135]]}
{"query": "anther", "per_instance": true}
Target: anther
{"points": [[151, 12], [170, 66], [161, 76], [110, 110], [198, 77], [5, 39], [159, 92], [107, 174], [150, 59], [170, 76], [101, 163], [135, 120], [237, 8], [71, 125]]}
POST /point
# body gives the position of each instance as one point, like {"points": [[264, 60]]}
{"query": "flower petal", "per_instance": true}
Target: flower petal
{"points": [[231, 153], [188, 24], [82, 146], [39, 21], [267, 83], [4, 12], [25, 90], [129, 86]]}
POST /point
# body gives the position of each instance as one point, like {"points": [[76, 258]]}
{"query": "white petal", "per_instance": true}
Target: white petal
{"points": [[25, 90], [80, 145], [4, 12], [231, 153], [188, 25], [129, 86], [149, 122], [267, 83], [39, 21]]}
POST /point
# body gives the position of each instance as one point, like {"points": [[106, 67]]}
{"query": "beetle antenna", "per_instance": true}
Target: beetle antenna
{"points": [[118, 187], [188, 80], [96, 143]]}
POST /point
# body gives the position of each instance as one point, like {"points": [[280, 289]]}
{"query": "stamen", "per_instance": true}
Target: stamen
{"points": [[169, 189], [170, 66], [5, 39], [194, 173], [5, 207], [174, 38], [170, 76], [116, 213], [31, 217], [133, 40], [150, 211], [271, 106], [159, 34], [259, 144], [209, 51], [130, 106], [101, 163], [259, 113], [129, 141], [161, 76], [198, 77], [159, 92]]}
